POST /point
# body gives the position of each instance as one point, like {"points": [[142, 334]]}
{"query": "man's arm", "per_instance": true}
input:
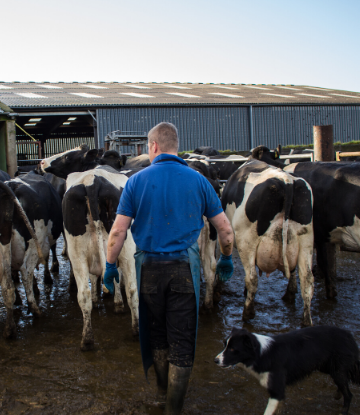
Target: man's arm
{"points": [[117, 237], [225, 232]]}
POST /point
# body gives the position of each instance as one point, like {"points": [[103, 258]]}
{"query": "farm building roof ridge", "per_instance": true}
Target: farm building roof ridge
{"points": [[104, 94]]}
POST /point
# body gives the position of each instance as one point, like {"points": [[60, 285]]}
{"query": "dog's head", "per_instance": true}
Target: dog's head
{"points": [[240, 347]]}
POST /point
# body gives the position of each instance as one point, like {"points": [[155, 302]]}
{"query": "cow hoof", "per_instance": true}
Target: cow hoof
{"points": [[248, 314], [289, 297], [306, 322], [35, 311], [55, 267], [119, 308], [87, 346], [217, 297], [331, 293], [135, 331], [47, 279], [10, 331], [206, 308]]}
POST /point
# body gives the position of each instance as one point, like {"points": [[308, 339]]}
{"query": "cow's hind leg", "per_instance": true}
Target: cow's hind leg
{"points": [[27, 274], [326, 267], [251, 281], [118, 299], [81, 274], [8, 293], [306, 280], [94, 290], [47, 276], [72, 288], [291, 289], [55, 262], [129, 276]]}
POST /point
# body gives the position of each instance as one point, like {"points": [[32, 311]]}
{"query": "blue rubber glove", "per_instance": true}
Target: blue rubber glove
{"points": [[225, 267], [111, 272]]}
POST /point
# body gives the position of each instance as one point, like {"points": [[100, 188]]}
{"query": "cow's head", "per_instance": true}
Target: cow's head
{"points": [[71, 161], [112, 158], [262, 153]]}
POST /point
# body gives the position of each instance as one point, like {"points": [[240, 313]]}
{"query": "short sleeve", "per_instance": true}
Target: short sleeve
{"points": [[125, 206], [213, 205]]}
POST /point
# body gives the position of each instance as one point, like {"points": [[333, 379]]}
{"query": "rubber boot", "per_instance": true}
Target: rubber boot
{"points": [[177, 387], [161, 365]]}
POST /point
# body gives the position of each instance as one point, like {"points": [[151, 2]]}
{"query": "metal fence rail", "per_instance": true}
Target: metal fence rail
{"points": [[54, 146], [28, 152]]}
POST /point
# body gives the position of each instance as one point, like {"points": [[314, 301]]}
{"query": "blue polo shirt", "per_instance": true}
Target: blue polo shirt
{"points": [[167, 201]]}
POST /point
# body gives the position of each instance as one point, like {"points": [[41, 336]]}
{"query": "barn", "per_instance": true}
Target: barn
{"points": [[58, 116]]}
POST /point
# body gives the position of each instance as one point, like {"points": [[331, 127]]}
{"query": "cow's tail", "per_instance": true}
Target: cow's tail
{"points": [[355, 373], [94, 220], [287, 207], [24, 217]]}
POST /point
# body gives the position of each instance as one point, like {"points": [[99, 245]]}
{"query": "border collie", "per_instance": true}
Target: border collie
{"points": [[284, 359]]}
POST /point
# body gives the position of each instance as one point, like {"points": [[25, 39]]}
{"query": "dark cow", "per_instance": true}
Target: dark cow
{"points": [[113, 159], [206, 151], [4, 176], [89, 207], [336, 190], [271, 214]]}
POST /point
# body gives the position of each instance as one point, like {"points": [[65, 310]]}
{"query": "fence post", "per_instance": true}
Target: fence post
{"points": [[324, 151], [323, 143]]}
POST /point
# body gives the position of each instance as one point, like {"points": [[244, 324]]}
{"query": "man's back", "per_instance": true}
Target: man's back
{"points": [[168, 200]]}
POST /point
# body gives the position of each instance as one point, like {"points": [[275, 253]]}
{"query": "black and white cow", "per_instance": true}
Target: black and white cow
{"points": [[42, 206], [336, 190], [19, 246], [271, 214], [89, 208]]}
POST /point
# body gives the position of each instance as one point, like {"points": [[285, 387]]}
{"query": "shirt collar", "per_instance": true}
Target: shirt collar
{"points": [[168, 157]]}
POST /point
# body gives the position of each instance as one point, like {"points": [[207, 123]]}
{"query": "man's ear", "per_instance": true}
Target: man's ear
{"points": [[91, 155]]}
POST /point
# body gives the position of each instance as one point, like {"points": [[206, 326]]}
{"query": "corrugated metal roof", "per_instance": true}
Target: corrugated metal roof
{"points": [[102, 94]]}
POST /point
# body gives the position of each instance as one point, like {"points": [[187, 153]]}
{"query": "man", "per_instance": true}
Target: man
{"points": [[167, 201]]}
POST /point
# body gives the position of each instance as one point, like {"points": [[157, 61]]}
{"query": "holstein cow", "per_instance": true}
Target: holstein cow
{"points": [[89, 208], [271, 214], [336, 190], [16, 234], [42, 205]]}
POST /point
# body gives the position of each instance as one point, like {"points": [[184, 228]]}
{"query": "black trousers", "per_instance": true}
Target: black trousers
{"points": [[168, 291]]}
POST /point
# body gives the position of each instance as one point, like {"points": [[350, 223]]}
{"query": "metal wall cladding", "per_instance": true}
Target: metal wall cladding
{"points": [[286, 125], [228, 127], [222, 127]]}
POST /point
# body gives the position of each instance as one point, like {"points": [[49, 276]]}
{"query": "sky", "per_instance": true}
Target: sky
{"points": [[307, 42]]}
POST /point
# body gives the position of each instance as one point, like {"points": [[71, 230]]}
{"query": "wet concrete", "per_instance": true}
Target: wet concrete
{"points": [[43, 371]]}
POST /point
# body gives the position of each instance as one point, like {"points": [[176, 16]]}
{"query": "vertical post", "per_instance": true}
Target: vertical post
{"points": [[326, 254], [11, 148], [323, 143], [139, 149]]}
